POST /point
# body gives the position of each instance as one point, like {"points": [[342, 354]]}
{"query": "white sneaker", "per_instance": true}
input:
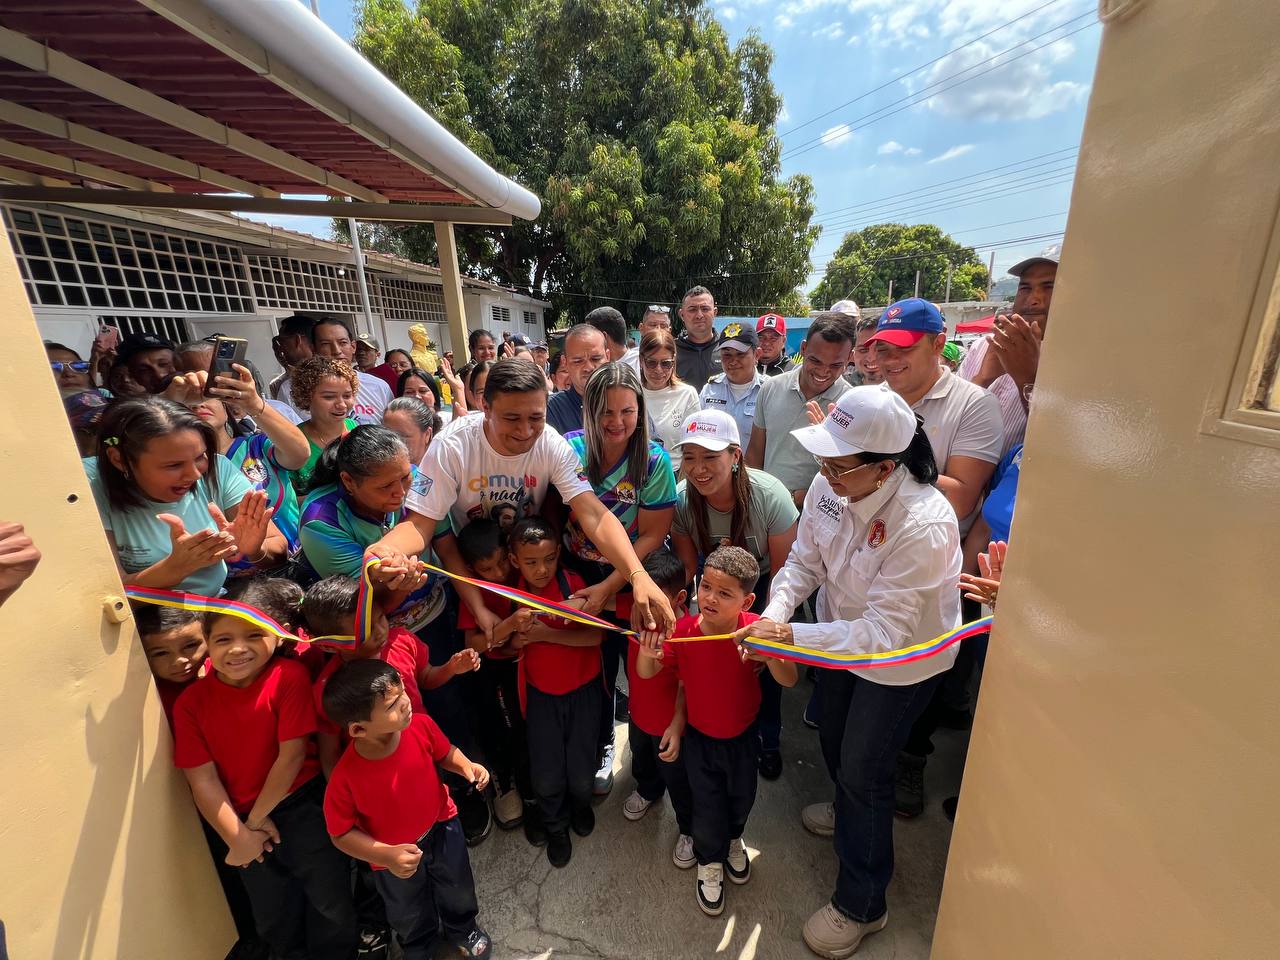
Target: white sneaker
{"points": [[508, 808], [683, 856], [738, 864], [635, 806], [711, 889], [819, 819], [604, 776]]}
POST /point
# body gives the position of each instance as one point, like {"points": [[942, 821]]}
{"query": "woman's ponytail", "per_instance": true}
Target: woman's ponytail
{"points": [[917, 458]]}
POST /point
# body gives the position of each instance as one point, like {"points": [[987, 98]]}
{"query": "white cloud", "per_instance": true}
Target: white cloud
{"points": [[890, 147], [912, 152], [727, 13], [957, 151], [1020, 90], [782, 21], [832, 31], [837, 135]]}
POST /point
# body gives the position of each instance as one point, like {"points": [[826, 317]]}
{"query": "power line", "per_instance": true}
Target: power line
{"points": [[923, 66], [975, 177], [957, 233], [927, 93]]}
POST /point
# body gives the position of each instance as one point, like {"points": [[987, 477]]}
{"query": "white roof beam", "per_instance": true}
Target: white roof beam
{"points": [[78, 168], [42, 59], [21, 116]]}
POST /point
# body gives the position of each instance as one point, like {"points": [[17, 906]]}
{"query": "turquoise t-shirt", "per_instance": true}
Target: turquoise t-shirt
{"points": [[255, 457], [142, 540], [620, 497], [334, 538]]}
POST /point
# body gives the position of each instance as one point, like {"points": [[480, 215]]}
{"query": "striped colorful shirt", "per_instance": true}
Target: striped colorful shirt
{"points": [[334, 538], [255, 457], [620, 497]]}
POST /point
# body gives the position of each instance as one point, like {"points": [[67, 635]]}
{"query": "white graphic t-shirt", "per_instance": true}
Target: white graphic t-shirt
{"points": [[463, 477]]}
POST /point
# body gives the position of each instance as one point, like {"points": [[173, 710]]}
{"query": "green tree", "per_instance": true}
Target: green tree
{"points": [[650, 139], [868, 259]]}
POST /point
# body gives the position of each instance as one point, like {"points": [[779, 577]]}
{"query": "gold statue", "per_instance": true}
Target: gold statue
{"points": [[423, 350]]}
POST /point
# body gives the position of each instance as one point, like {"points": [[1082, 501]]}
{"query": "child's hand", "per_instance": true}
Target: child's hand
{"points": [[464, 661], [477, 775], [523, 619], [669, 745], [265, 825], [650, 646], [248, 847], [404, 860], [748, 655]]}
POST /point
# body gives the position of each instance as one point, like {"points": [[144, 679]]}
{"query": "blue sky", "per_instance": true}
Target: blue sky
{"points": [[964, 114]]}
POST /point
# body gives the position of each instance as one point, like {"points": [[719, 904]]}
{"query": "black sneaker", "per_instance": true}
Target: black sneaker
{"points": [[770, 764], [477, 945], [477, 823], [621, 707], [559, 847], [710, 889], [583, 820], [908, 786], [374, 944], [535, 831]]}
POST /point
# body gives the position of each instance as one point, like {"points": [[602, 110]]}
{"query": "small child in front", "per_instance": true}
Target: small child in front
{"points": [[722, 697], [500, 724], [243, 737], [562, 690], [386, 805], [658, 722]]}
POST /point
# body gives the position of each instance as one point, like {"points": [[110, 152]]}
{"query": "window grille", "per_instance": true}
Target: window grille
{"points": [[173, 329], [500, 314], [530, 318], [288, 284], [410, 300]]}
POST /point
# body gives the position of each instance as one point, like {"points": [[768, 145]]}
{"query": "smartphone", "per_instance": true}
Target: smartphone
{"points": [[108, 338], [226, 351]]}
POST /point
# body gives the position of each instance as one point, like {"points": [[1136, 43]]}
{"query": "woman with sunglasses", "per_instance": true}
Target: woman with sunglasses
{"points": [[883, 544], [669, 401], [72, 373]]}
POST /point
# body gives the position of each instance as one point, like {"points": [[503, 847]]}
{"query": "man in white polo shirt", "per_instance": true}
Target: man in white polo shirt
{"points": [[332, 337], [780, 407], [963, 424]]}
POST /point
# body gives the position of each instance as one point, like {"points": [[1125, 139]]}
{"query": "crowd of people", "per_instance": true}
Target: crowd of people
{"points": [[699, 484]]}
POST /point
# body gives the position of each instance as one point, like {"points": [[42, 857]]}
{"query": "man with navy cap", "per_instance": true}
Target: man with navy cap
{"points": [[735, 390], [1006, 362], [963, 424]]}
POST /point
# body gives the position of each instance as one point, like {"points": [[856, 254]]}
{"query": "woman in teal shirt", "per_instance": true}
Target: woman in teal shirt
{"points": [[174, 509], [266, 455]]}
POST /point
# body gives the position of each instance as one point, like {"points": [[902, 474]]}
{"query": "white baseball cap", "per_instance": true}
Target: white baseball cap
{"points": [[1050, 254], [847, 307], [870, 419], [713, 429]]}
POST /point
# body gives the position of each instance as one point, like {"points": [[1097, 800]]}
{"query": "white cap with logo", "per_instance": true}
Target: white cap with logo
{"points": [[871, 419], [713, 429]]}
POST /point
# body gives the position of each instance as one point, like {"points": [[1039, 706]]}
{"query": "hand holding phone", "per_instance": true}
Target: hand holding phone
{"points": [[227, 352]]}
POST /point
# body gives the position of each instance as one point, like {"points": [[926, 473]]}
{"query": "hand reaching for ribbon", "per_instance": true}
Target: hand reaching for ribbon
{"points": [[984, 588]]}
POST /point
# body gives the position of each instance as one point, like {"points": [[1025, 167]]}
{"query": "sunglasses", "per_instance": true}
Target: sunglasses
{"points": [[655, 308], [659, 364], [79, 366], [823, 467]]}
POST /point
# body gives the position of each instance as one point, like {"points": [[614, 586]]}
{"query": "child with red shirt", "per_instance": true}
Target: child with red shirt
{"points": [[658, 721], [385, 805], [500, 724], [562, 689], [243, 737], [329, 609], [722, 696]]}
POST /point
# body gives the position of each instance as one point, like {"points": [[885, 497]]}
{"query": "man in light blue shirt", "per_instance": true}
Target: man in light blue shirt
{"points": [[735, 390]]}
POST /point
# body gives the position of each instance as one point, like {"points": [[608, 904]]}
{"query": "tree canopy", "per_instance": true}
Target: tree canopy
{"points": [[868, 259], [650, 139]]}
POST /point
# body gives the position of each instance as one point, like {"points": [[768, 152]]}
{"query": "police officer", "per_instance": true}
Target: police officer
{"points": [[735, 390]]}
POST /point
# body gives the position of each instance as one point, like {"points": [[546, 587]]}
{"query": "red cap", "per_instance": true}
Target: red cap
{"points": [[899, 338], [774, 322]]}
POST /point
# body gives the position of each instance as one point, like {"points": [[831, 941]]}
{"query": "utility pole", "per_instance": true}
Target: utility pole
{"points": [[890, 300], [991, 269], [946, 297], [917, 290]]}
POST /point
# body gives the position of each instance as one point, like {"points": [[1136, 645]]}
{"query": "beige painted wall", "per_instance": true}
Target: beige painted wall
{"points": [[99, 842], [1122, 780]]}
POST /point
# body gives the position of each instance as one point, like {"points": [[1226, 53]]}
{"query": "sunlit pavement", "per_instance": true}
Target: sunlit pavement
{"points": [[622, 897]]}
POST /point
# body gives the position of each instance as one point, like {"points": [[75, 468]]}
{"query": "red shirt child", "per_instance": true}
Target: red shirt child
{"points": [[555, 668], [403, 650], [722, 693]]}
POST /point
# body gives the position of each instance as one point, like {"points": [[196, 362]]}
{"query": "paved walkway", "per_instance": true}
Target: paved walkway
{"points": [[621, 897]]}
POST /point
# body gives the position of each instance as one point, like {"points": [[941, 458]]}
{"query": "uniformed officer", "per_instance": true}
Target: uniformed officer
{"points": [[735, 390]]}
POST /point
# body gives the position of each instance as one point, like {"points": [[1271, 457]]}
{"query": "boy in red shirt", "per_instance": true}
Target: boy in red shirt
{"points": [[658, 721], [242, 736], [500, 724], [562, 689], [329, 609], [722, 696], [385, 805]]}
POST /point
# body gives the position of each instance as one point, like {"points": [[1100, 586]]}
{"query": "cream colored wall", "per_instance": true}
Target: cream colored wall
{"points": [[1124, 770], [99, 843]]}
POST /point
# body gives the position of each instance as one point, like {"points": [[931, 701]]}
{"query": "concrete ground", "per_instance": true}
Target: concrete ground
{"points": [[621, 897]]}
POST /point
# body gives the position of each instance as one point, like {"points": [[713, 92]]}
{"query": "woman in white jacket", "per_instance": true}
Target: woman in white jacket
{"points": [[884, 545]]}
